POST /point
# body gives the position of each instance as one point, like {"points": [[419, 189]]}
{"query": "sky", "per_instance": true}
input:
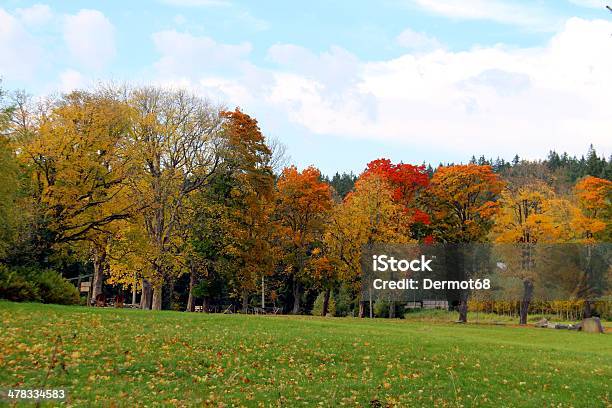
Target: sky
{"points": [[344, 82]]}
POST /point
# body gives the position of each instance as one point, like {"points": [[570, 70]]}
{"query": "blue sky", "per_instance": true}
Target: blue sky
{"points": [[342, 83]]}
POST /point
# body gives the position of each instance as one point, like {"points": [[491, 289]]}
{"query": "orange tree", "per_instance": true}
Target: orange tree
{"points": [[303, 202], [461, 203], [250, 202], [594, 196], [592, 223], [406, 182]]}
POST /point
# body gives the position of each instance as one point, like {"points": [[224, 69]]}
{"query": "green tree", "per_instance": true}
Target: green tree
{"points": [[9, 180]]}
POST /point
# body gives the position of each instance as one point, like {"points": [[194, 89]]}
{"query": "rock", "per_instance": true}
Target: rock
{"points": [[591, 325], [561, 326], [542, 323], [552, 325]]}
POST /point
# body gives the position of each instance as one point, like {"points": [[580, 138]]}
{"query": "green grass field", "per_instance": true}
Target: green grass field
{"points": [[109, 357]]}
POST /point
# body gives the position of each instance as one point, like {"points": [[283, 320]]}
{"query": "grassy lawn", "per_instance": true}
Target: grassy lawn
{"points": [[129, 357]]}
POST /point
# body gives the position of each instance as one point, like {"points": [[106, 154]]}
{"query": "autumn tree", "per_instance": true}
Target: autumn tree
{"points": [[525, 217], [461, 203], [592, 222], [594, 197], [78, 163], [242, 196], [406, 182], [368, 215], [175, 138], [127, 254], [302, 205]]}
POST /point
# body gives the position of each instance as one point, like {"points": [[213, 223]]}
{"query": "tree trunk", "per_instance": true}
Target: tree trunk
{"points": [[245, 301], [362, 308], [325, 303], [146, 295], [463, 311], [99, 264], [391, 310], [527, 295], [157, 298], [586, 310], [190, 299], [463, 307], [134, 291], [205, 304], [296, 297]]}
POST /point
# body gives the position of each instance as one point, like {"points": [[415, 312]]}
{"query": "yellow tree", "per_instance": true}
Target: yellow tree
{"points": [[176, 140], [525, 218], [78, 160], [78, 163], [368, 215]]}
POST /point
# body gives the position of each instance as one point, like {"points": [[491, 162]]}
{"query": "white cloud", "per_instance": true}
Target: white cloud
{"points": [[20, 53], [417, 41], [496, 100], [90, 38], [334, 69], [183, 54], [35, 15], [71, 80], [523, 15]]}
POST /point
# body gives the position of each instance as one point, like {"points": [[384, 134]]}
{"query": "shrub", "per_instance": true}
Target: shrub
{"points": [[31, 284], [54, 288], [382, 308], [15, 287], [344, 301], [317, 308]]}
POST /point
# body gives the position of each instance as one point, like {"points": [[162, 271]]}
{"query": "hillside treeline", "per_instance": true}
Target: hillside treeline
{"points": [[188, 204]]}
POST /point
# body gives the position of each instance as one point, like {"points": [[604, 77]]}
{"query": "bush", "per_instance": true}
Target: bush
{"points": [[54, 288], [381, 309], [317, 308], [34, 285], [344, 301], [15, 287]]}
